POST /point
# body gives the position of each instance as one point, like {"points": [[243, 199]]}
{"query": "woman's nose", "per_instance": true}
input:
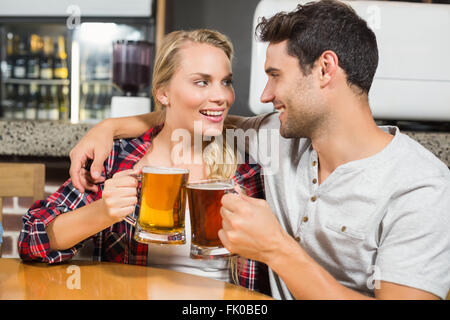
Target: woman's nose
{"points": [[219, 95]]}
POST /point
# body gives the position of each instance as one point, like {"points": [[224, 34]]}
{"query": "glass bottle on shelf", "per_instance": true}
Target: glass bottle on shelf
{"points": [[21, 59], [8, 101], [104, 100], [15, 51], [19, 107], [63, 100], [90, 100], [8, 70], [61, 71], [102, 67], [108, 96], [42, 104], [46, 64], [97, 104], [83, 102], [91, 65], [47, 102], [84, 65], [33, 66], [39, 103], [32, 103], [53, 111]]}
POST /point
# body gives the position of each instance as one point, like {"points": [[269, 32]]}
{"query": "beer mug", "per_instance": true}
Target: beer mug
{"points": [[162, 206], [204, 209]]}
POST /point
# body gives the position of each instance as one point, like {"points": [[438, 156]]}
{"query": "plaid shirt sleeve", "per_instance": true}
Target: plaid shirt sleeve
{"points": [[252, 274], [34, 243]]}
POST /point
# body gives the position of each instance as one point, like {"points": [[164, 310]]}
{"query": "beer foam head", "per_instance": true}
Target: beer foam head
{"points": [[211, 185], [164, 170]]}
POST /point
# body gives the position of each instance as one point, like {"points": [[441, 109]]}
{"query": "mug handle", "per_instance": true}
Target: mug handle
{"points": [[129, 219], [233, 191]]}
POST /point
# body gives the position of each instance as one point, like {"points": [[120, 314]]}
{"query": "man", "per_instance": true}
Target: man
{"points": [[354, 211]]}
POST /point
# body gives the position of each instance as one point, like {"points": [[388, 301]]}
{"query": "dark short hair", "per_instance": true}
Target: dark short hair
{"points": [[316, 27]]}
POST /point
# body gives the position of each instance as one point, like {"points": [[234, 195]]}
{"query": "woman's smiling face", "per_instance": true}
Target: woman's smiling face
{"points": [[200, 90]]}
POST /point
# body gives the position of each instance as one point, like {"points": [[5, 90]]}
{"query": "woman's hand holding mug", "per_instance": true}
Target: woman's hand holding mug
{"points": [[120, 194]]}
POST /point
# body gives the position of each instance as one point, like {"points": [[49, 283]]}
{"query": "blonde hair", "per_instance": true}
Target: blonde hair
{"points": [[220, 159]]}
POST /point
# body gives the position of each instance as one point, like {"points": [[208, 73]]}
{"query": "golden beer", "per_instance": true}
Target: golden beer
{"points": [[162, 205]]}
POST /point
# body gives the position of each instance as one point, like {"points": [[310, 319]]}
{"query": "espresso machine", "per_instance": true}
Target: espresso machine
{"points": [[132, 62]]}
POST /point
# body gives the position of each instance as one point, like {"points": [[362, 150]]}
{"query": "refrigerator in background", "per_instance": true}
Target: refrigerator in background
{"points": [[56, 56], [35, 80]]}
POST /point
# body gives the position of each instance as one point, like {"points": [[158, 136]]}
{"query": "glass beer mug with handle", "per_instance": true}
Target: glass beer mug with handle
{"points": [[162, 206], [204, 207]]}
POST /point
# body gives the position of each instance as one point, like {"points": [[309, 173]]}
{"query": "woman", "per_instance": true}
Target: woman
{"points": [[192, 81]]}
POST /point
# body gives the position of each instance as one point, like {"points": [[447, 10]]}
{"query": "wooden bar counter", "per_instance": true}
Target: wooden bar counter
{"points": [[79, 280]]}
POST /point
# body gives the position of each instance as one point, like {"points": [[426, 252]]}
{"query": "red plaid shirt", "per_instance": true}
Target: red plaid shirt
{"points": [[116, 243]]}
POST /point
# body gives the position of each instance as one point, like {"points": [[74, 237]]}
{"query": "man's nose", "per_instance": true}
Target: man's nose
{"points": [[267, 95]]}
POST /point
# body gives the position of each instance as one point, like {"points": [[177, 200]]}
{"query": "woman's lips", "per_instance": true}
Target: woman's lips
{"points": [[213, 115], [214, 119]]}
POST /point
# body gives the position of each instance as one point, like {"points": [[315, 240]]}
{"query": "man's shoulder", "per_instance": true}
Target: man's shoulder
{"points": [[418, 161], [414, 176]]}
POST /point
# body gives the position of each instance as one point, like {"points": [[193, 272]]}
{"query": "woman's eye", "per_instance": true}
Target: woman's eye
{"points": [[228, 82], [201, 83]]}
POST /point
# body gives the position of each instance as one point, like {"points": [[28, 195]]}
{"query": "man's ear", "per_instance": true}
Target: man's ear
{"points": [[328, 64]]}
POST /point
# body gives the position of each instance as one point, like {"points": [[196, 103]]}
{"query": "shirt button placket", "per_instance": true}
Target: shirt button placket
{"points": [[302, 228], [314, 180], [313, 188]]}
